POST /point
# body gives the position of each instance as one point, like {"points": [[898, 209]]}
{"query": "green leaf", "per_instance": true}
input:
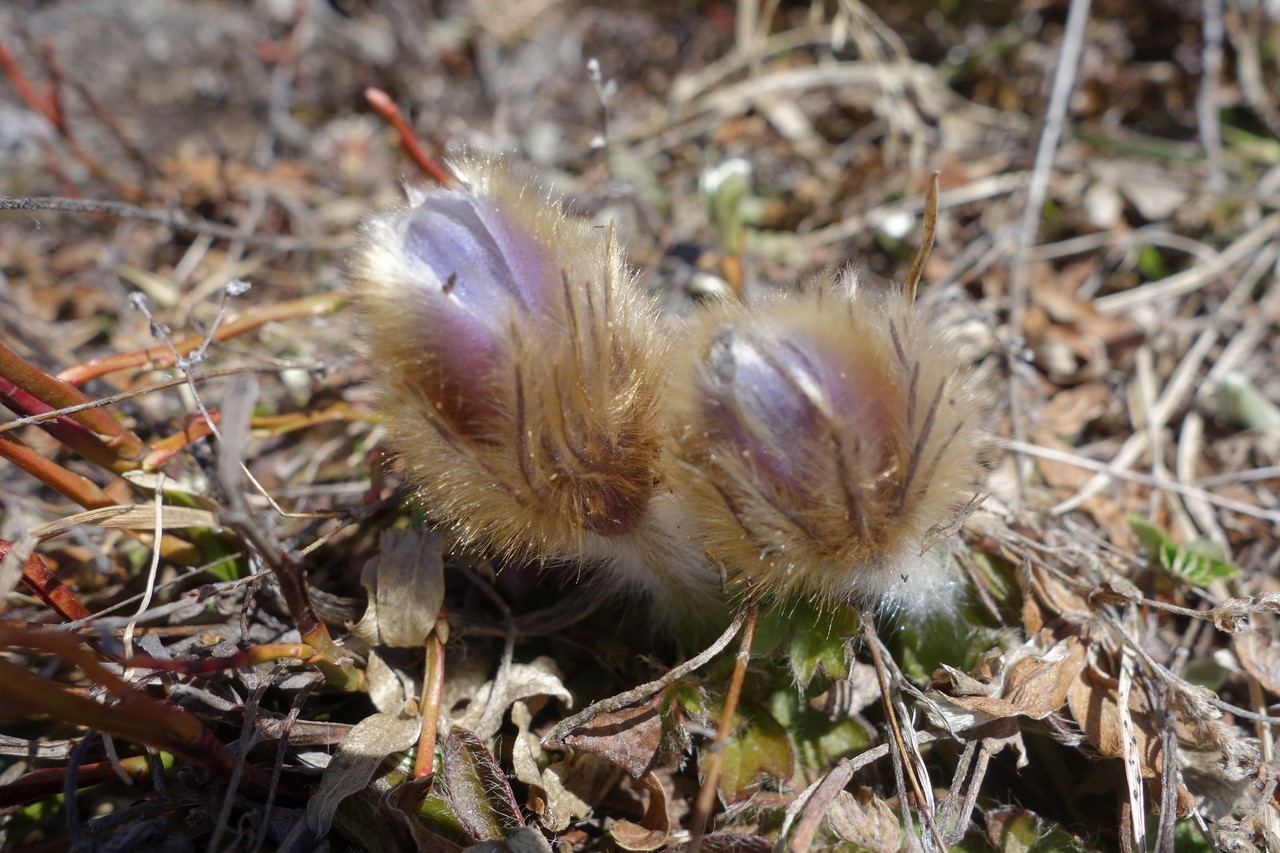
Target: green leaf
{"points": [[1197, 562], [819, 644], [759, 747], [1151, 264], [478, 789], [816, 741], [1014, 830]]}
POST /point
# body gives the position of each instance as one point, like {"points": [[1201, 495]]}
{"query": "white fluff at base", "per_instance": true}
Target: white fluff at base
{"points": [[913, 588], [656, 563]]}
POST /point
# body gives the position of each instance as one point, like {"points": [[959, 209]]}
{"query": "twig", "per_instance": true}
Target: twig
{"points": [[1037, 189], [898, 744], [1208, 99], [135, 392], [996, 185], [152, 571], [179, 220], [812, 803], [1198, 276], [1175, 391], [912, 282], [163, 356], [491, 716], [645, 691], [1113, 472], [707, 795]]}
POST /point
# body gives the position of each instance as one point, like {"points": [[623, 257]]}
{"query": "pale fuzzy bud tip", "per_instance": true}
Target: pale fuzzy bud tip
{"points": [[828, 438]]}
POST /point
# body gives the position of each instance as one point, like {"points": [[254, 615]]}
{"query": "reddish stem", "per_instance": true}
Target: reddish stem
{"points": [[48, 587], [66, 483], [432, 694], [158, 357], [42, 104], [60, 395], [165, 449], [137, 717], [69, 433], [48, 782], [385, 107], [707, 795]]}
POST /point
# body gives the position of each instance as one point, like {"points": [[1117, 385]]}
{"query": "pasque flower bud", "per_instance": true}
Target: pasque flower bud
{"points": [[518, 370], [827, 437]]}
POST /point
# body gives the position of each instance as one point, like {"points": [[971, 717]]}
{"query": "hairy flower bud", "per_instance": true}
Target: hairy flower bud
{"points": [[518, 369], [827, 436]]}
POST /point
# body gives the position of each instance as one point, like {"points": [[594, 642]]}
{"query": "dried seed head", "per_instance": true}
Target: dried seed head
{"points": [[519, 371], [827, 436]]}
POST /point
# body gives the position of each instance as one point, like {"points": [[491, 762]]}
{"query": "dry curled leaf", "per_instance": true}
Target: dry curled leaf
{"points": [[1030, 683], [405, 583], [359, 755], [539, 677], [1092, 698], [554, 804], [865, 821], [651, 832], [1259, 654]]}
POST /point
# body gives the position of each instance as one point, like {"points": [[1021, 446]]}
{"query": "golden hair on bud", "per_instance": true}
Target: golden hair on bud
{"points": [[518, 367], [827, 437]]}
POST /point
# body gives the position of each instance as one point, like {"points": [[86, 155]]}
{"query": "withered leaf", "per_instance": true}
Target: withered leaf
{"points": [[405, 583], [1259, 654], [1037, 688], [554, 804], [1092, 701], [629, 738], [1035, 684], [1045, 597], [654, 827], [865, 822], [1067, 412], [373, 739], [539, 677]]}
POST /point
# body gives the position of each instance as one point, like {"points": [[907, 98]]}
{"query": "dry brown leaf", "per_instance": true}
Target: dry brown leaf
{"points": [[1069, 479], [1044, 598], [1068, 412], [1092, 700], [1037, 688], [629, 738], [1033, 685], [389, 689], [865, 821], [1259, 654], [654, 827], [405, 583], [358, 758], [539, 677], [554, 804]]}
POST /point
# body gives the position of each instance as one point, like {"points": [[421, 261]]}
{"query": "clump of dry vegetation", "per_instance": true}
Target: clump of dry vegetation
{"points": [[228, 625]]}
